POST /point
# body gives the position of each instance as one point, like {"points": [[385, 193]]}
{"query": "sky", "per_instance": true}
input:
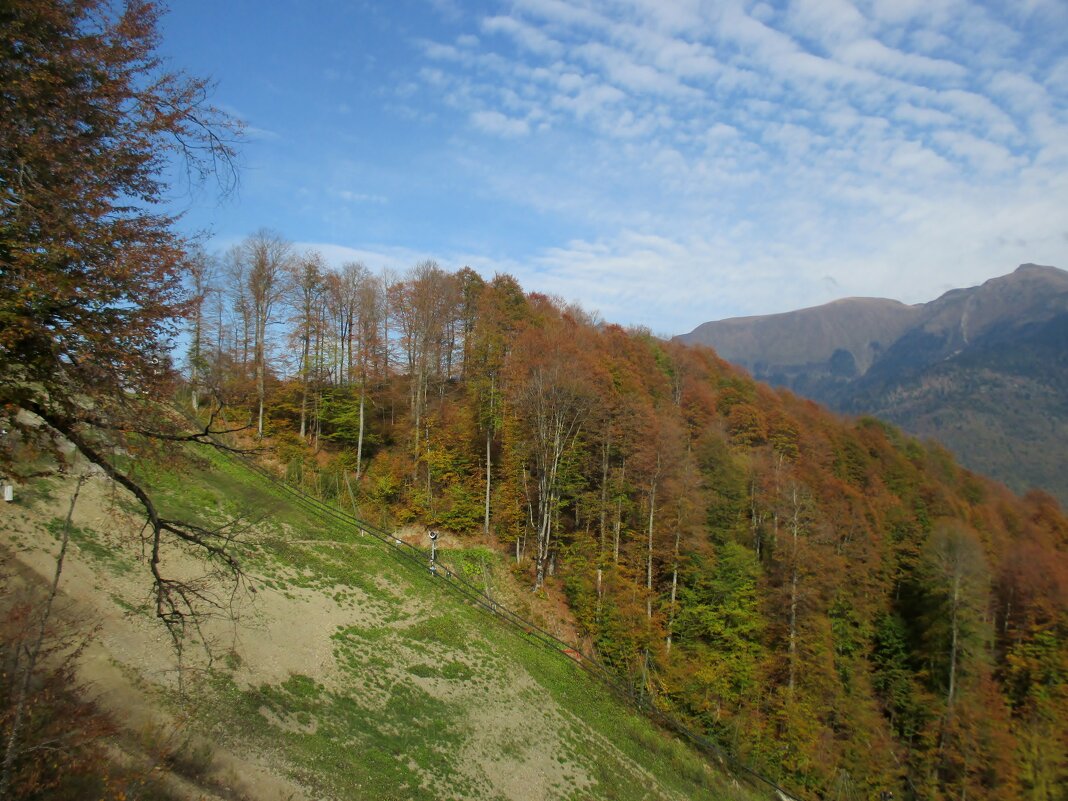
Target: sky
{"points": [[660, 162]]}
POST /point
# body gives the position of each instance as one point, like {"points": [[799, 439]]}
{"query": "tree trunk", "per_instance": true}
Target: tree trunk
{"points": [[619, 511], [359, 438], [489, 473], [794, 558], [674, 586], [305, 354], [194, 366], [792, 647], [544, 524], [955, 634], [649, 556], [605, 450], [261, 331]]}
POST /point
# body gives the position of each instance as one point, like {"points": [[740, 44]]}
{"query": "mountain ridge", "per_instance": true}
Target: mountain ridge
{"points": [[920, 366]]}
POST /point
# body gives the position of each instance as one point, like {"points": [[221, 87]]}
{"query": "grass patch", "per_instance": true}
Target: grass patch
{"points": [[89, 543], [356, 751], [416, 675]]}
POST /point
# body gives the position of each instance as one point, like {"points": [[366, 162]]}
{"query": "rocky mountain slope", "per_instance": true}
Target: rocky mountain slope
{"points": [[984, 369]]}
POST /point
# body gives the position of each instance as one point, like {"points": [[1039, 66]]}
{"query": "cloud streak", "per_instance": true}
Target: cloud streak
{"points": [[749, 153]]}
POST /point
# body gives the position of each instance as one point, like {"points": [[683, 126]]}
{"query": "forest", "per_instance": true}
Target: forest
{"points": [[836, 603], [842, 607]]}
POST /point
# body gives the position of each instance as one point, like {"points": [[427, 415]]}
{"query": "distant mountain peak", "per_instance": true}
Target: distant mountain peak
{"points": [[929, 367], [1037, 268]]}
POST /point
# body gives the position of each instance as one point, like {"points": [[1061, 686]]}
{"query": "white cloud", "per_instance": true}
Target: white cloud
{"points": [[830, 22], [561, 12], [933, 13], [493, 122], [623, 70], [1020, 92], [523, 34], [874, 54], [762, 150], [374, 258], [981, 153], [977, 109], [923, 117], [912, 157]]}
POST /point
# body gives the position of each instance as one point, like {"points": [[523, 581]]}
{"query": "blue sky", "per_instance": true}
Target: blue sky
{"points": [[661, 162]]}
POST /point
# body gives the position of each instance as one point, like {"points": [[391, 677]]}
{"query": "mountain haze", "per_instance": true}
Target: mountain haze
{"points": [[981, 369]]}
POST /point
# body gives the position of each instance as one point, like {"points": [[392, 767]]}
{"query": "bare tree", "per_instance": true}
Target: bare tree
{"points": [[239, 307], [423, 306], [552, 396], [308, 286], [370, 316], [267, 257], [202, 268]]}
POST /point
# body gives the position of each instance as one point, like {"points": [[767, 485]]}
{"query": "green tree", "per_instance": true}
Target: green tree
{"points": [[955, 578], [718, 631]]}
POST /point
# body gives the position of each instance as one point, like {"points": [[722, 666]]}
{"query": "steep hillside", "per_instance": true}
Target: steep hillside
{"points": [[847, 610], [340, 669], [982, 370], [844, 610], [835, 342], [1000, 403]]}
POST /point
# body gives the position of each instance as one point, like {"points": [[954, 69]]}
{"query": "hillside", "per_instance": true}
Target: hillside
{"points": [[845, 609], [341, 669], [982, 370], [841, 340], [842, 609]]}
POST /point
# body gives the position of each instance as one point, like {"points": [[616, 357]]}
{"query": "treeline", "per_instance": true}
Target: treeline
{"points": [[844, 607]]}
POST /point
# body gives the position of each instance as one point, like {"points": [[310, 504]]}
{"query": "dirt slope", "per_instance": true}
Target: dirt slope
{"points": [[337, 675]]}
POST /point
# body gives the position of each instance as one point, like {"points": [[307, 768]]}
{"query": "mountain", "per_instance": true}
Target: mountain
{"points": [[984, 370]]}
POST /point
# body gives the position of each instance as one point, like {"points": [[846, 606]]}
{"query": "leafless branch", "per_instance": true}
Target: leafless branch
{"points": [[179, 603]]}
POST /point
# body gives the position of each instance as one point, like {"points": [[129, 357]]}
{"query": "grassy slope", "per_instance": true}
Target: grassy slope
{"points": [[409, 693]]}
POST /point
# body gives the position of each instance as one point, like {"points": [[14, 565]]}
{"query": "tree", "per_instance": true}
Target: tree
{"points": [[307, 285], [202, 275], [498, 310], [552, 394], [370, 314], [956, 581], [90, 264], [423, 306], [267, 258], [718, 629], [239, 311]]}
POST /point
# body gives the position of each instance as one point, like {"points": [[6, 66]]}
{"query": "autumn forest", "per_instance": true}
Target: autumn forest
{"points": [[831, 600]]}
